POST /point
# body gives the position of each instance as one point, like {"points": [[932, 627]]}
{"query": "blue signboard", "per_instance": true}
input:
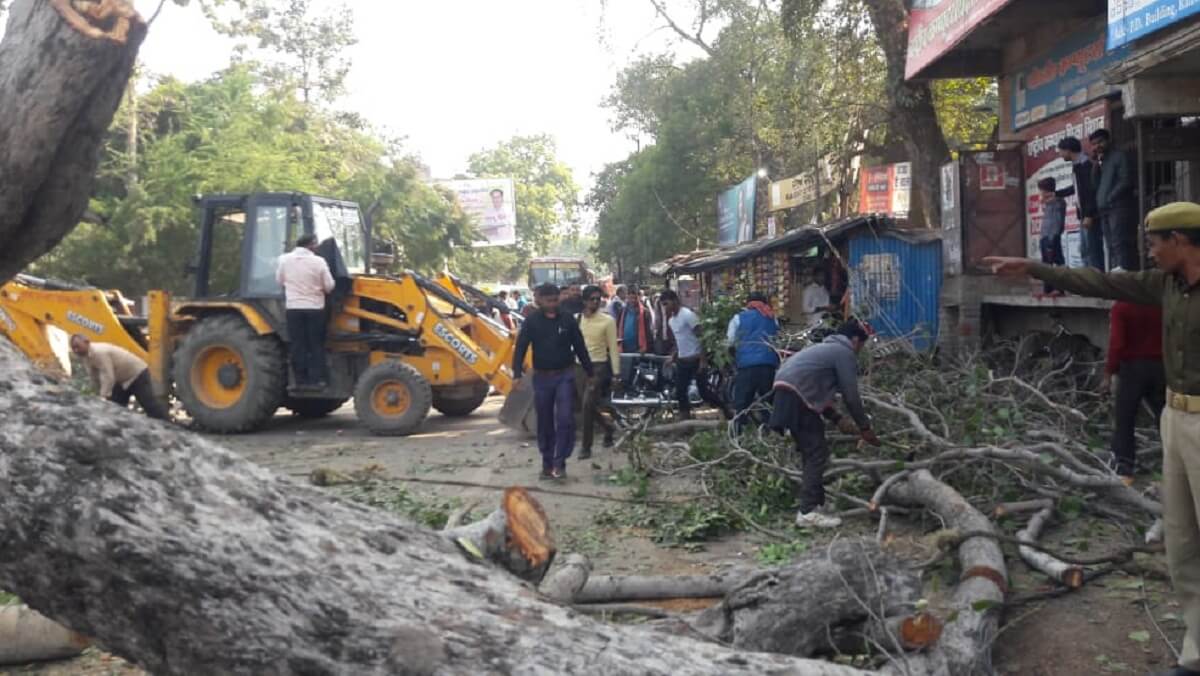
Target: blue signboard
{"points": [[735, 213], [1129, 20], [1069, 76]]}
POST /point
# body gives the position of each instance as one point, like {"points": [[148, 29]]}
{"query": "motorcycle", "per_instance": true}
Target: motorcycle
{"points": [[648, 394]]}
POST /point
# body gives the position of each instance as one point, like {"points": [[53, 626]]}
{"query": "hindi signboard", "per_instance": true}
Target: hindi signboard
{"points": [[936, 26], [1070, 76], [1129, 20], [735, 213], [885, 189], [802, 189], [1042, 161]]}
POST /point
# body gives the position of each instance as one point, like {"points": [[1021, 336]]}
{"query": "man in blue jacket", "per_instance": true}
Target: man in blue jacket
{"points": [[1116, 199], [749, 334]]}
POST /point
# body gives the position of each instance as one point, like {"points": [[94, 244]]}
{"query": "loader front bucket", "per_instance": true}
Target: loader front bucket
{"points": [[518, 411]]}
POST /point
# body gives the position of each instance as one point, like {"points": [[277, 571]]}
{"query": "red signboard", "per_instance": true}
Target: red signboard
{"points": [[936, 26], [1042, 160], [886, 189]]}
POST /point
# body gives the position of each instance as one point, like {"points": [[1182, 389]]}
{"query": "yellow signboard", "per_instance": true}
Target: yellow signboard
{"points": [[801, 189]]}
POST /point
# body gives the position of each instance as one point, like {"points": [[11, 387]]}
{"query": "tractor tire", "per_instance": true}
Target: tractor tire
{"points": [[228, 378], [313, 408], [461, 407], [392, 399]]}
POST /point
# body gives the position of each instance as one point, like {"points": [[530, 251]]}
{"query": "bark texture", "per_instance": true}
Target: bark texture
{"points": [[914, 117], [609, 588], [794, 609], [63, 68], [964, 648], [186, 559]]}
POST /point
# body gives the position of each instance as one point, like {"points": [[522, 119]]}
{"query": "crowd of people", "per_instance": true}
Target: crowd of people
{"points": [[1104, 188]]}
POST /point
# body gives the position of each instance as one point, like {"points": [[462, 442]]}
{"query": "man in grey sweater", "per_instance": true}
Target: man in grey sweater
{"points": [[804, 392]]}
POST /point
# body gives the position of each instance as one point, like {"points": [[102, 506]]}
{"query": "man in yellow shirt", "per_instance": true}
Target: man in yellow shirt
{"points": [[118, 374], [600, 336]]}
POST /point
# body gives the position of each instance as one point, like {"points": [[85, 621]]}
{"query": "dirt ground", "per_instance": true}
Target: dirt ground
{"points": [[1105, 628]]}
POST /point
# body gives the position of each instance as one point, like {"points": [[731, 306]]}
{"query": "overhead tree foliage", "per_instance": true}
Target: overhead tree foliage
{"points": [[232, 133], [774, 88]]}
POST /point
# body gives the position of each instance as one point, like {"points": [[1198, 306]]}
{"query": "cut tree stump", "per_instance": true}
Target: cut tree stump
{"points": [[65, 64], [515, 537]]}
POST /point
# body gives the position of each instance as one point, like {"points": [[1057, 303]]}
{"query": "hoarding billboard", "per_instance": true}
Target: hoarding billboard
{"points": [[735, 213], [492, 203], [1129, 20], [1042, 160], [936, 26], [885, 189], [1070, 76]]}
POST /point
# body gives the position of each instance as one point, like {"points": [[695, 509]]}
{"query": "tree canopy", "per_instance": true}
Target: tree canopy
{"points": [[775, 88], [235, 133]]}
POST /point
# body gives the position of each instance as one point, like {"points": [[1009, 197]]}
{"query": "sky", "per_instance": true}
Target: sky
{"points": [[456, 76]]}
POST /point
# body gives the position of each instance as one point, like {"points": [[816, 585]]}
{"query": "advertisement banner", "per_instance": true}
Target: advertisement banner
{"points": [[1068, 77], [935, 26], [802, 189], [885, 189], [735, 213], [492, 203], [1129, 20], [1042, 160]]}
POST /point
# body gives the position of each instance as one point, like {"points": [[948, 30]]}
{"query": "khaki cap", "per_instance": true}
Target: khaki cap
{"points": [[1174, 216]]}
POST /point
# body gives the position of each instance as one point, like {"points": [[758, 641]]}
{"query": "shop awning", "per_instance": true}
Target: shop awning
{"points": [[802, 237]]}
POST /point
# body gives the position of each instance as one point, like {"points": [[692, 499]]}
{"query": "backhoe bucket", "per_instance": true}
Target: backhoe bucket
{"points": [[518, 411]]}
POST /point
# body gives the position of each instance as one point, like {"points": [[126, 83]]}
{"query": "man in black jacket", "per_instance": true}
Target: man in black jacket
{"points": [[1116, 199], [556, 341], [1091, 238]]}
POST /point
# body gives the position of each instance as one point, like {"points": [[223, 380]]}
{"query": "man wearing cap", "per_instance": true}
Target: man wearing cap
{"points": [[1174, 239]]}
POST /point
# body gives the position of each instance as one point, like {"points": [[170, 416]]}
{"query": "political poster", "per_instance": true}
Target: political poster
{"points": [[1041, 161], [885, 189], [936, 26], [1069, 76], [735, 213], [1129, 20], [492, 204]]}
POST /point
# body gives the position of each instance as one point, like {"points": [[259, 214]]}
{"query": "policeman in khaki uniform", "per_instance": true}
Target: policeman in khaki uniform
{"points": [[1174, 239]]}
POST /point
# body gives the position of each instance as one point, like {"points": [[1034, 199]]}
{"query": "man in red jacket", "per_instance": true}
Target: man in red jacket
{"points": [[1135, 359]]}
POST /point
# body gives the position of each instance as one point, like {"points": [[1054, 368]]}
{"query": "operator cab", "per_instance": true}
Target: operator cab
{"points": [[243, 236]]}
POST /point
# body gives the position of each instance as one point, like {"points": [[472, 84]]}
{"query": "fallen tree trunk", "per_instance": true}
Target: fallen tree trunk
{"points": [[65, 67], [610, 588], [794, 609], [1063, 573], [186, 559], [965, 645], [28, 636]]}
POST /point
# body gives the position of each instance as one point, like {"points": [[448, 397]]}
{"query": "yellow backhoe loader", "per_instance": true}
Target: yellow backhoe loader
{"points": [[397, 344]]}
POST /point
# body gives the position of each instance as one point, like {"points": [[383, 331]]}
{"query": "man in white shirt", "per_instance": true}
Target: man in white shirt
{"points": [[815, 300], [688, 355], [306, 279]]}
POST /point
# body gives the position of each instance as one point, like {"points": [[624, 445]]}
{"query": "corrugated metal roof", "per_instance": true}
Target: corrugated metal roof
{"points": [[803, 236]]}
